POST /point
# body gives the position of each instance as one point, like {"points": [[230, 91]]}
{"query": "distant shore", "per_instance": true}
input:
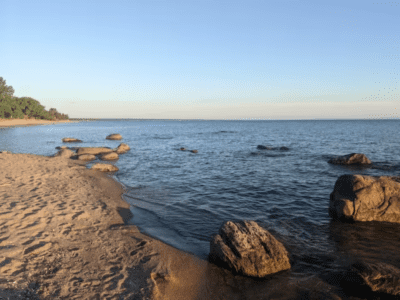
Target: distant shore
{"points": [[30, 122]]}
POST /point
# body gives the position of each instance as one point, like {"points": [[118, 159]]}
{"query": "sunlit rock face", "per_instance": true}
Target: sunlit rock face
{"points": [[366, 198], [248, 249]]}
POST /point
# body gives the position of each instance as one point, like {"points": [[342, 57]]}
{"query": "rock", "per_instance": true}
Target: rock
{"points": [[87, 157], [284, 148], [194, 151], [6, 152], [105, 167], [114, 136], [367, 277], [122, 148], [109, 156], [94, 150], [262, 147], [66, 153], [366, 198], [71, 140], [182, 149], [248, 249], [350, 159]]}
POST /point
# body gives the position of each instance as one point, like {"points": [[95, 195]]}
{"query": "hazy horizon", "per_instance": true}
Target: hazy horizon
{"points": [[286, 59]]}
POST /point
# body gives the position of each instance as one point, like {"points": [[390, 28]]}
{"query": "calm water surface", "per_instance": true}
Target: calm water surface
{"points": [[182, 198]]}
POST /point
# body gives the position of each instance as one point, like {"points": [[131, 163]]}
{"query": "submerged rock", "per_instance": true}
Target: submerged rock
{"points": [[93, 150], [248, 249], [367, 277], [350, 159], [71, 140], [182, 149], [194, 151], [105, 167], [109, 156], [284, 148], [366, 198], [114, 136], [262, 147]]}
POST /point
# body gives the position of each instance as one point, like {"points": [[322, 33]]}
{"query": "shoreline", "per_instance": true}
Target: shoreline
{"points": [[21, 122], [65, 234]]}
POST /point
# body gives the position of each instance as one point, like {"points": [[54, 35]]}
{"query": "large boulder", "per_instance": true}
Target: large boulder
{"points": [[109, 156], [366, 198], [372, 277], [71, 140], [65, 153], [122, 148], [87, 157], [105, 168], [350, 159], [94, 150], [248, 249], [114, 136]]}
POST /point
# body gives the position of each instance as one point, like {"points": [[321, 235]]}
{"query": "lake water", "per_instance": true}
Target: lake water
{"points": [[182, 198]]}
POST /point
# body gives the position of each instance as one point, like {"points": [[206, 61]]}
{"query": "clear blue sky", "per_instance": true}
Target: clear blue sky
{"points": [[282, 59]]}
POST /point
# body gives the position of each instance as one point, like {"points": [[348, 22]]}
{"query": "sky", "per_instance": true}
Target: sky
{"points": [[201, 59]]}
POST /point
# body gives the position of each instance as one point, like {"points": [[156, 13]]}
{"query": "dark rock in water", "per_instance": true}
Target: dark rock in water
{"points": [[193, 151], [366, 278], [182, 149], [262, 147], [248, 249], [350, 159], [284, 148], [366, 198]]}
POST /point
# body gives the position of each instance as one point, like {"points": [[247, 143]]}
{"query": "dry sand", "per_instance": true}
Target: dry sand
{"points": [[30, 122]]}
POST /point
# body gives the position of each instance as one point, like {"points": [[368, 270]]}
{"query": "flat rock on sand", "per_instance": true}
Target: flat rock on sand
{"points": [[66, 153], [366, 198], [93, 150]]}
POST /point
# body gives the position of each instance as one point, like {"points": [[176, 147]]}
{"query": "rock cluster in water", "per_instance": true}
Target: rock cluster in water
{"points": [[350, 159], [91, 153], [248, 249]]}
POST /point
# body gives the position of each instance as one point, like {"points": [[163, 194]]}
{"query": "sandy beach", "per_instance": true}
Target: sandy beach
{"points": [[30, 122], [62, 235]]}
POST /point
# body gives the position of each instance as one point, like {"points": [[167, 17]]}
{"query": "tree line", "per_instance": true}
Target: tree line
{"points": [[12, 107]]}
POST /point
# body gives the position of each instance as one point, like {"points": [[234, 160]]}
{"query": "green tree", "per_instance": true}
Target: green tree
{"points": [[5, 89]]}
